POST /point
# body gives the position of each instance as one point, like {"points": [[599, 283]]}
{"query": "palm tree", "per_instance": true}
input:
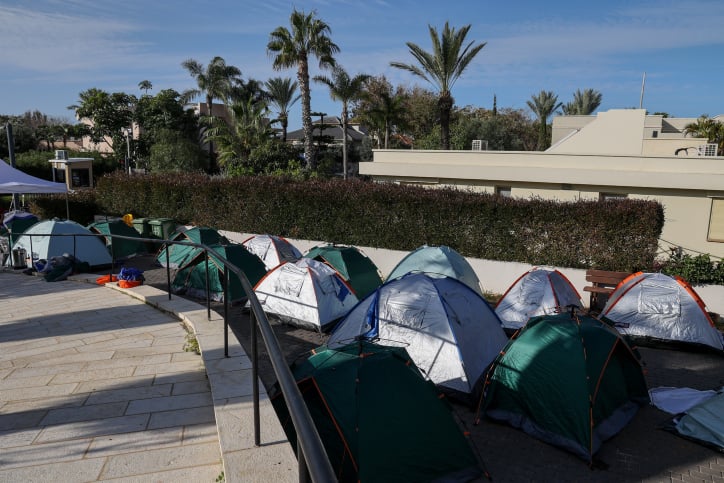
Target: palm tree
{"points": [[215, 81], [281, 94], [388, 110], [706, 127], [442, 67], [145, 86], [307, 36], [346, 89], [543, 105], [583, 103], [247, 130]]}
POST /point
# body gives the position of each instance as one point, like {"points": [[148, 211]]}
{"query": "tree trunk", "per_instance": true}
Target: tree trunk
{"points": [[445, 104], [212, 156], [344, 140], [285, 124], [303, 78]]}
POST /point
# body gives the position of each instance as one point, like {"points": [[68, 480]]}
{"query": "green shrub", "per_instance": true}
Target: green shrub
{"points": [[611, 235], [698, 269]]}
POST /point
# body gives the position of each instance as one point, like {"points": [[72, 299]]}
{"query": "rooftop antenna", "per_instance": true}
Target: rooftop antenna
{"points": [[641, 99]]}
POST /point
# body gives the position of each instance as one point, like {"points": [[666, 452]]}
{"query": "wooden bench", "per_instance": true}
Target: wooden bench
{"points": [[602, 283]]}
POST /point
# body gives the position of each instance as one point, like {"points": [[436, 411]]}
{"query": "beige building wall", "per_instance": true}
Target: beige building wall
{"points": [[685, 187]]}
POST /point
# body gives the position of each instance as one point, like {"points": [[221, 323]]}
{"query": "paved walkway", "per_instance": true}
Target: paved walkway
{"points": [[95, 385]]}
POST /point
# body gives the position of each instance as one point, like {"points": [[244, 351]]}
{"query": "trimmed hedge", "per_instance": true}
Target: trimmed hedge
{"points": [[610, 235]]}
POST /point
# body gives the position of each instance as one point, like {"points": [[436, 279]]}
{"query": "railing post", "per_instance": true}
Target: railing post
{"points": [[31, 252], [226, 311], [168, 271], [208, 289], [255, 378]]}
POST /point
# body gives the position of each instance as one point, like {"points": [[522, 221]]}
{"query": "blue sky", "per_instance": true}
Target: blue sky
{"points": [[51, 50]]}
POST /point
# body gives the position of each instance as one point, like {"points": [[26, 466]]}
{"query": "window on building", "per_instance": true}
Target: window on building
{"points": [[80, 178], [503, 191], [611, 196], [716, 221]]}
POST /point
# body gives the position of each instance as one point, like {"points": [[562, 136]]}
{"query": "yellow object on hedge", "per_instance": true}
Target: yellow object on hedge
{"points": [[128, 219]]}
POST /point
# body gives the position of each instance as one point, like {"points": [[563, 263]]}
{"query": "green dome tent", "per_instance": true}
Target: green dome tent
{"points": [[568, 380], [379, 420], [178, 255], [191, 276], [118, 247], [355, 267], [441, 261]]}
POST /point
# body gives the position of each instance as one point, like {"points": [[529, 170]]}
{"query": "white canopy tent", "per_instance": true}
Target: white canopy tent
{"points": [[14, 181]]}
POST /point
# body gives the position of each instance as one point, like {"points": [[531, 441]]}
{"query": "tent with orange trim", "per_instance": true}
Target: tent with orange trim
{"points": [[569, 380], [655, 308], [378, 418]]}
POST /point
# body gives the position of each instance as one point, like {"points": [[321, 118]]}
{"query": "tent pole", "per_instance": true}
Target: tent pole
{"points": [[11, 155], [208, 289]]}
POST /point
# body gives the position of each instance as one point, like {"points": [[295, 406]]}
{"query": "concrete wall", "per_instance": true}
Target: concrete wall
{"points": [[684, 186], [495, 276]]}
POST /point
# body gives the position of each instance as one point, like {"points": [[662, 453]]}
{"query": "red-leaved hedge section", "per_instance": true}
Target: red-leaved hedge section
{"points": [[610, 235]]}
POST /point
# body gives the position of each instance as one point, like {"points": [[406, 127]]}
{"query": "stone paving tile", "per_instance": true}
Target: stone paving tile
{"points": [[208, 473], [9, 439], [83, 470], [130, 394], [85, 376], [84, 413], [197, 415], [232, 384], [15, 382], [133, 442], [190, 366], [73, 400], [50, 357], [200, 433], [169, 403], [144, 351], [191, 387], [228, 364], [21, 420], [150, 461], [85, 429], [175, 377], [235, 422], [39, 371], [275, 463], [117, 362], [110, 384], [36, 454], [21, 393]]}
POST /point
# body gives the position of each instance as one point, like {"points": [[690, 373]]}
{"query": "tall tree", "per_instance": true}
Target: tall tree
{"points": [[145, 86], [111, 115], [307, 36], [442, 68], [543, 105], [248, 129], [583, 103], [345, 89], [382, 109], [282, 94], [215, 81]]}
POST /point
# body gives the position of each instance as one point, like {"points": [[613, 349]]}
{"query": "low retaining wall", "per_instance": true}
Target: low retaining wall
{"points": [[494, 276]]}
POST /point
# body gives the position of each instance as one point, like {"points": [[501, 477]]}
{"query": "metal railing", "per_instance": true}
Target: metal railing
{"points": [[311, 455]]}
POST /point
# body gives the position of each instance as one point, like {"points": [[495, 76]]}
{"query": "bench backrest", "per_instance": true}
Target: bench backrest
{"points": [[603, 277]]}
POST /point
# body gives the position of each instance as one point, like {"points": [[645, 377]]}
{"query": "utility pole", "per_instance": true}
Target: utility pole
{"points": [[129, 132]]}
